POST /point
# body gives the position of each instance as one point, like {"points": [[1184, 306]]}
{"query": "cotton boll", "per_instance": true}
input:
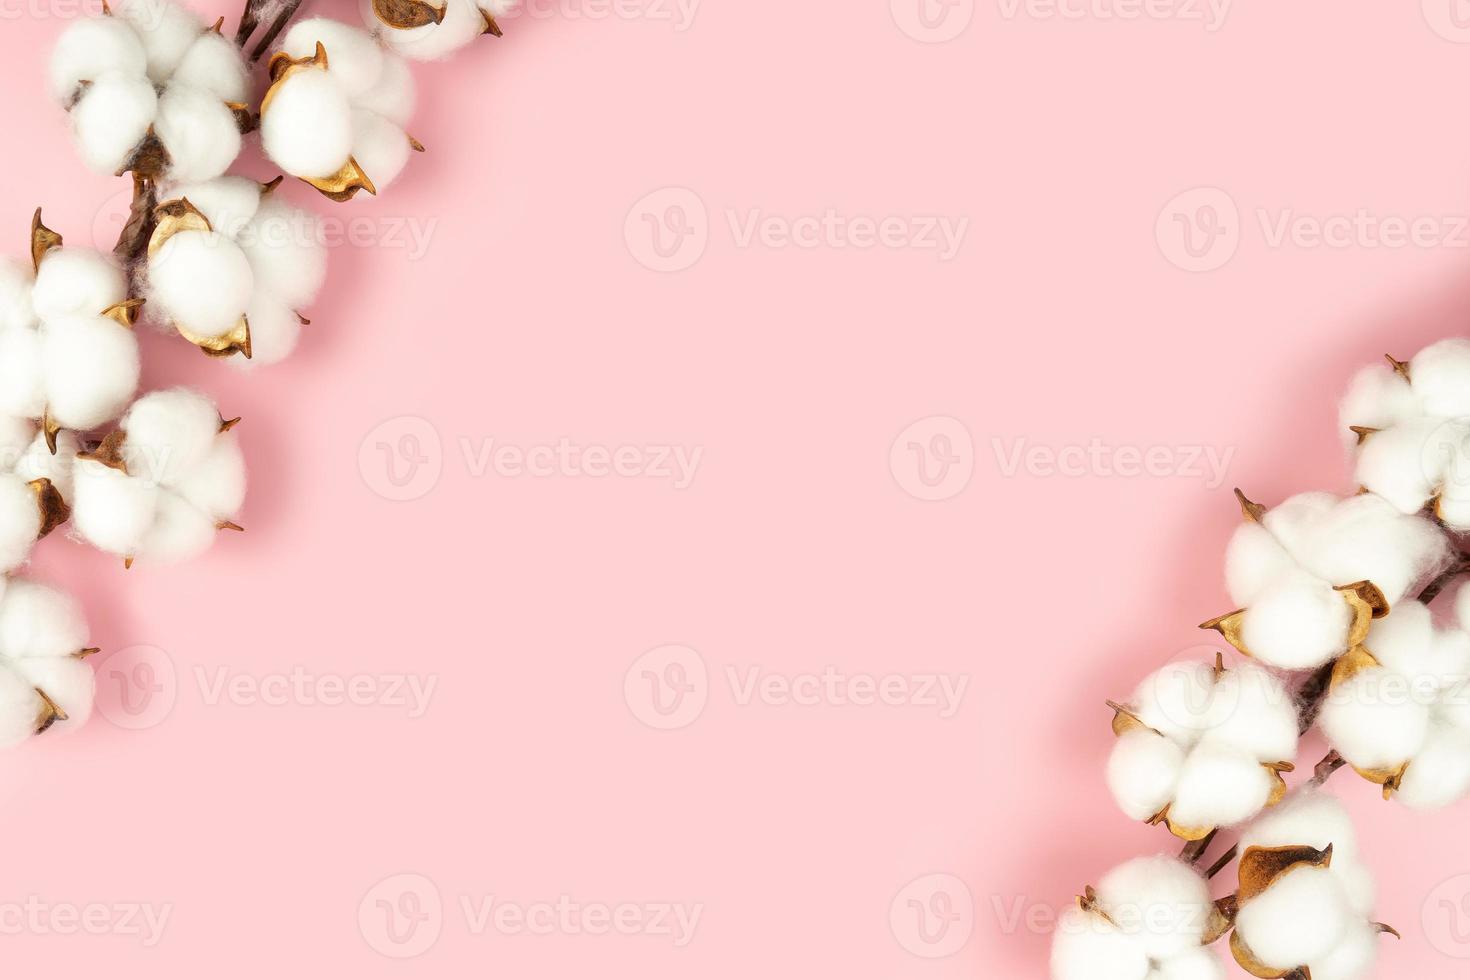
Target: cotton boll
{"points": [[15, 295], [462, 24], [111, 509], [1300, 919], [214, 65], [179, 531], [39, 621], [15, 438], [1253, 560], [199, 132], [20, 708], [1440, 374], [77, 281], [1159, 901], [92, 367], [1294, 521], [1175, 700], [1404, 639], [1365, 538], [1297, 624], [169, 433], [379, 147], [274, 330], [1377, 398], [111, 119], [203, 281], [1142, 772], [1405, 464], [1197, 964], [227, 203], [1439, 773], [22, 393], [1087, 947], [355, 60], [20, 521], [1253, 713], [1376, 720], [1306, 818], [1357, 884], [167, 32], [287, 252], [1353, 957], [217, 485], [91, 47], [1219, 788], [307, 129], [392, 97]]}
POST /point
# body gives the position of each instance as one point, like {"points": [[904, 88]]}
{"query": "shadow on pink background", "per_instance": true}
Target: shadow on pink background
{"points": [[568, 162]]}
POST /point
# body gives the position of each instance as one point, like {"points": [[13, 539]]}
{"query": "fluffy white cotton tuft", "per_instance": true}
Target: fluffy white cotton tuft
{"points": [[1251, 711], [1087, 947], [198, 131], [91, 48], [111, 119], [288, 252], [1353, 957], [76, 281], [166, 30], [203, 280], [1298, 624], [1175, 700], [1439, 773], [1309, 818], [1160, 901], [1142, 772], [20, 521], [393, 95], [307, 128], [1219, 787], [42, 635], [462, 23], [353, 58], [184, 478], [1377, 719], [91, 367], [1301, 918], [381, 148], [212, 64]]}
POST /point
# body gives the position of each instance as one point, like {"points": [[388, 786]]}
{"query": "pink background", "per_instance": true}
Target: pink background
{"points": [[1063, 318]]}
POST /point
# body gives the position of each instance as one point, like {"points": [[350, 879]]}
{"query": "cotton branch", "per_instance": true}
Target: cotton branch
{"points": [[276, 13]]}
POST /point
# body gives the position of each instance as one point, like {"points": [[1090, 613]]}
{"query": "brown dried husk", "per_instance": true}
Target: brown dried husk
{"points": [[53, 509], [407, 14]]}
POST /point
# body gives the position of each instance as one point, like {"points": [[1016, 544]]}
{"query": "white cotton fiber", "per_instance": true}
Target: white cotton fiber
{"points": [[1219, 787], [1405, 464], [39, 621], [1175, 700], [379, 147], [1295, 520], [20, 521], [287, 250], [22, 386], [1440, 374], [1196, 964], [1365, 538], [179, 531], [392, 97], [67, 681], [166, 30], [1159, 901], [198, 131], [1253, 560], [111, 119], [1378, 719], [307, 129], [1439, 773], [212, 64], [91, 366], [169, 433], [461, 25], [1377, 397], [76, 281], [15, 295], [1299, 919], [354, 59], [89, 48], [227, 203], [1297, 624], [37, 461], [1404, 639], [110, 509], [1087, 947], [192, 258], [274, 330], [1252, 712], [216, 485], [1353, 957], [1143, 770], [1306, 818]]}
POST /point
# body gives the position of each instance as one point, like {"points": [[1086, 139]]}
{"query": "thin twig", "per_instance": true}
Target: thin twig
{"points": [[1220, 865], [1329, 765], [1311, 696], [1194, 851], [1445, 578]]}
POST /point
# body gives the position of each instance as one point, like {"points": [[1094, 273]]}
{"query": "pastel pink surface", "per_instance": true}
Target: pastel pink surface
{"points": [[529, 319]]}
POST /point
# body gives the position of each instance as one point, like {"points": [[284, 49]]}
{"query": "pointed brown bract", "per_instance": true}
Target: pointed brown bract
{"points": [[417, 146], [43, 240], [1260, 867], [227, 526], [109, 452], [1402, 367], [1229, 626], [1350, 664], [1252, 965], [1222, 920], [86, 652], [1362, 432], [302, 320], [172, 217], [1124, 720], [124, 314], [237, 341], [49, 428], [1278, 784], [1249, 509], [345, 183], [408, 14], [53, 509], [149, 159], [283, 66], [49, 714], [245, 120], [225, 425], [270, 186], [491, 27], [128, 562]]}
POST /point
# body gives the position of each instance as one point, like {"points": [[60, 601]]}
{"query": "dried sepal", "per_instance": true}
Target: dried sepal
{"points": [[50, 712], [237, 341], [491, 27], [283, 66], [1401, 367], [49, 428], [227, 526], [1229, 626], [1185, 833], [1278, 784], [1125, 720], [225, 425], [1251, 964], [1362, 432], [43, 240], [245, 120], [345, 183], [149, 159], [172, 217], [1221, 920], [53, 509], [405, 15], [1368, 603], [108, 452], [1383, 927], [1260, 867], [1249, 509], [1350, 665], [1389, 778], [416, 146], [124, 314]]}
